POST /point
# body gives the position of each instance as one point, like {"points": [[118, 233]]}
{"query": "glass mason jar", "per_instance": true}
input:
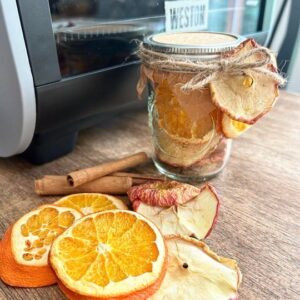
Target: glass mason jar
{"points": [[187, 136]]}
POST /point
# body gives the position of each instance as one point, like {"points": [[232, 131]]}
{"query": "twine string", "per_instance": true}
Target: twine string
{"points": [[210, 70]]}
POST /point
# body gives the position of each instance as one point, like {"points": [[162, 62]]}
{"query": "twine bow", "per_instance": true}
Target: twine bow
{"points": [[207, 71]]}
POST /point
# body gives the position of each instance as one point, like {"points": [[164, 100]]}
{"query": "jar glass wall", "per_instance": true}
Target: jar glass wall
{"points": [[188, 145]]}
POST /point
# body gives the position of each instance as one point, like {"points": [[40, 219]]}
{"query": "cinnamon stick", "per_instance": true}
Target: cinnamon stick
{"points": [[83, 176], [137, 181], [140, 176], [58, 185]]}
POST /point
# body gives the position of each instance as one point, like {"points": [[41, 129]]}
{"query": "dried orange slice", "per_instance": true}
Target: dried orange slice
{"points": [[26, 246], [88, 203], [196, 272], [196, 217], [232, 128], [115, 254], [184, 115], [245, 98]]}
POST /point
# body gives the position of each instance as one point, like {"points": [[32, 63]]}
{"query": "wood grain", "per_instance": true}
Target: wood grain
{"points": [[259, 219]]}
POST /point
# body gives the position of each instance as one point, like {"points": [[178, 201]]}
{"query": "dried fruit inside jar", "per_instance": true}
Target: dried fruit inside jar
{"points": [[205, 89], [185, 128]]}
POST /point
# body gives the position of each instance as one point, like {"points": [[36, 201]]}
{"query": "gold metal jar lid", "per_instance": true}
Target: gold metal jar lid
{"points": [[204, 42]]}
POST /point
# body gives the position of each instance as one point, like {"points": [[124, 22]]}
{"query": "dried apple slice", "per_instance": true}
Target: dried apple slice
{"points": [[245, 98], [183, 153], [195, 271], [163, 194], [232, 128], [196, 217]]}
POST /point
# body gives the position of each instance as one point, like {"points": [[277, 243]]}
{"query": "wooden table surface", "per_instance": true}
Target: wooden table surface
{"points": [[259, 220]]}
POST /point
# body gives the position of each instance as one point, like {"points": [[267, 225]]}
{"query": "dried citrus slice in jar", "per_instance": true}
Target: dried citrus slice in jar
{"points": [[247, 97], [232, 128], [26, 246], [196, 272], [88, 203], [185, 133], [115, 254]]}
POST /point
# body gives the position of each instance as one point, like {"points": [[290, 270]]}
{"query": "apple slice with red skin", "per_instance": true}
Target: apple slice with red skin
{"points": [[247, 97], [195, 217], [163, 194]]}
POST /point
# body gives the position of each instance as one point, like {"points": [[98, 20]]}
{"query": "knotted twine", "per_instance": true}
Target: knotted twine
{"points": [[210, 70]]}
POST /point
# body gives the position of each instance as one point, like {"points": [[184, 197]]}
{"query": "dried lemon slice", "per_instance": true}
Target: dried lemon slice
{"points": [[88, 203], [110, 254]]}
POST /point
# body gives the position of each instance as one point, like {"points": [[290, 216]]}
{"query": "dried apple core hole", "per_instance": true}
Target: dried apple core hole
{"points": [[41, 229]]}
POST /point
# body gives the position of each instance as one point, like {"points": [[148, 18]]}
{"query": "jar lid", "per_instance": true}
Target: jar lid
{"points": [[204, 42]]}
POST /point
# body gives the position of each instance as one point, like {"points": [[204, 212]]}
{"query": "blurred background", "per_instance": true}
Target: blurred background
{"points": [[274, 23], [82, 64]]}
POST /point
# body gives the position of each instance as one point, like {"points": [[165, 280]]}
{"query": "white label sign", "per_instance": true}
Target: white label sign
{"points": [[187, 15]]}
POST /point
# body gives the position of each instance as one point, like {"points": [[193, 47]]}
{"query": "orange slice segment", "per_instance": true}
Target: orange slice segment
{"points": [[88, 203], [232, 128], [247, 97], [27, 245], [196, 272], [110, 254]]}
